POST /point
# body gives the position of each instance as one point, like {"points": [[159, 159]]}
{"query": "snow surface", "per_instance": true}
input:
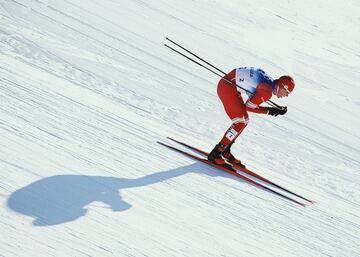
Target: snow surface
{"points": [[87, 88]]}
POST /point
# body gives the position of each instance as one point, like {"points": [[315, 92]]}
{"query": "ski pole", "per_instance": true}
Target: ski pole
{"points": [[268, 101], [195, 56], [187, 57]]}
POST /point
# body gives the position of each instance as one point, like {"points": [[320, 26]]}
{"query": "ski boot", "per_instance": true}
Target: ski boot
{"points": [[216, 157], [227, 155]]}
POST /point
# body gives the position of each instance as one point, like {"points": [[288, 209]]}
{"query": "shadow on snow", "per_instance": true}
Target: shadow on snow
{"points": [[60, 199]]}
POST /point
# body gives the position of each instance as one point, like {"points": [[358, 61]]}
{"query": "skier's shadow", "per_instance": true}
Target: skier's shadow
{"points": [[60, 199]]}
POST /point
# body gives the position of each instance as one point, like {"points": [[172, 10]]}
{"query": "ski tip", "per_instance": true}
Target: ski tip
{"points": [[312, 201]]}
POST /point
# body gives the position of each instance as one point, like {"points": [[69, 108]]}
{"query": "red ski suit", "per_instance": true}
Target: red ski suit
{"points": [[235, 107]]}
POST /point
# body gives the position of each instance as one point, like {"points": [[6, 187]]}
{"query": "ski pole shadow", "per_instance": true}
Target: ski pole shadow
{"points": [[63, 198]]}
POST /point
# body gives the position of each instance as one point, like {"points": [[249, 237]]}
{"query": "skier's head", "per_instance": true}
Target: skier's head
{"points": [[284, 86]]}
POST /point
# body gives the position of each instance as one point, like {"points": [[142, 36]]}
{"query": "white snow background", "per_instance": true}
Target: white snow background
{"points": [[87, 89]]}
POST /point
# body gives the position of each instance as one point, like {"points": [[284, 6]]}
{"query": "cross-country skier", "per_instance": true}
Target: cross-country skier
{"points": [[260, 88]]}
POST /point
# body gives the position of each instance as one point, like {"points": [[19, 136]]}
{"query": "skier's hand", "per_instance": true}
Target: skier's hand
{"points": [[276, 111]]}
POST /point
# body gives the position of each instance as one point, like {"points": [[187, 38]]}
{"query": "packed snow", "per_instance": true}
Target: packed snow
{"points": [[87, 89]]}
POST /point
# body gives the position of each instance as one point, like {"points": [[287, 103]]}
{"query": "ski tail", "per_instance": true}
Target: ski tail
{"points": [[189, 146]]}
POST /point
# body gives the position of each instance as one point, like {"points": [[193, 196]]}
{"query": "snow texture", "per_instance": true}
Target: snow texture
{"points": [[87, 89]]}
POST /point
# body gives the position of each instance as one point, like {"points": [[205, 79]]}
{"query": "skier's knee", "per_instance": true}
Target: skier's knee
{"points": [[240, 122]]}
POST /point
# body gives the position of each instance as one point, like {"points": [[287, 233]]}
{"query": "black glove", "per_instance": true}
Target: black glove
{"points": [[276, 111]]}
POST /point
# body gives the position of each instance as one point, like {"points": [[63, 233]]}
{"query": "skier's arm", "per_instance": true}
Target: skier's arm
{"points": [[263, 93]]}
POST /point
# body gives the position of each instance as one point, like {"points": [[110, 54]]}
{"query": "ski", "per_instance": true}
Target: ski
{"points": [[245, 170], [232, 173]]}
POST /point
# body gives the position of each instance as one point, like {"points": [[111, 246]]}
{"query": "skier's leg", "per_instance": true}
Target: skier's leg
{"points": [[236, 110]]}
